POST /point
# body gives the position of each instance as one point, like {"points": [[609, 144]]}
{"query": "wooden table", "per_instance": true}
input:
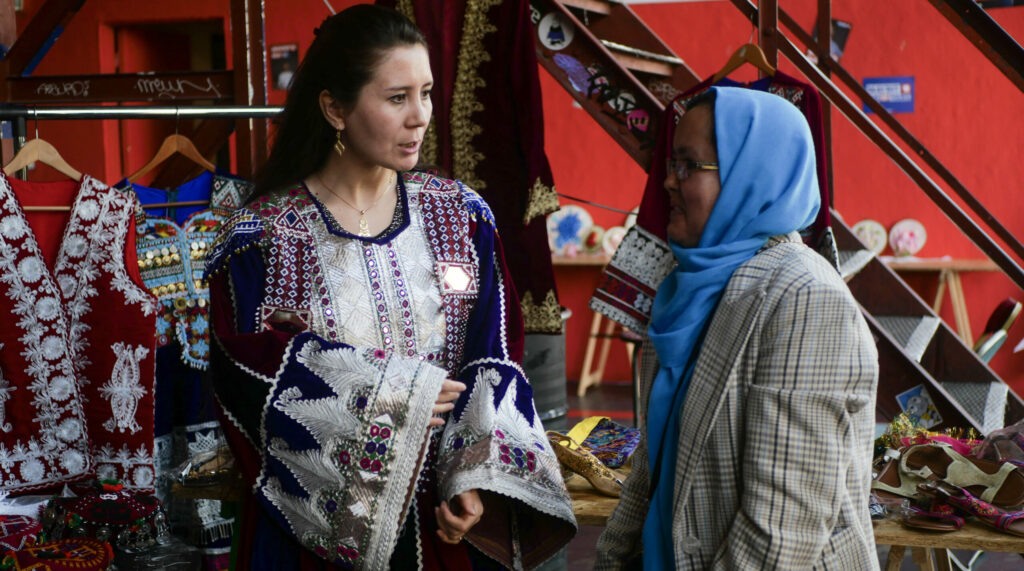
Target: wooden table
{"points": [[590, 507], [931, 550], [949, 275], [598, 260]]}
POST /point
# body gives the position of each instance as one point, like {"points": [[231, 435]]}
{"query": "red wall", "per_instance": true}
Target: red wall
{"points": [[967, 114], [87, 46]]}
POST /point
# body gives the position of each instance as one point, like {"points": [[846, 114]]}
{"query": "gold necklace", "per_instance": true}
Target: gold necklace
{"points": [[364, 227]]}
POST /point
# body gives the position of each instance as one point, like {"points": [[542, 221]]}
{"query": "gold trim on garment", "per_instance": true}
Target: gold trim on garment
{"points": [[428, 149], [464, 101], [543, 318], [542, 200], [405, 8]]}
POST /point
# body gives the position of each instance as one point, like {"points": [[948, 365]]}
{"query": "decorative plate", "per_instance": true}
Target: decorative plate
{"points": [[907, 237], [593, 240], [612, 238], [872, 234], [568, 226]]}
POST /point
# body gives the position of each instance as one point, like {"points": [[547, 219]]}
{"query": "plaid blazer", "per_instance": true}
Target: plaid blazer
{"points": [[774, 465]]}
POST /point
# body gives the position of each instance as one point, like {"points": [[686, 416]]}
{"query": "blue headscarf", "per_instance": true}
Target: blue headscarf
{"points": [[769, 187]]}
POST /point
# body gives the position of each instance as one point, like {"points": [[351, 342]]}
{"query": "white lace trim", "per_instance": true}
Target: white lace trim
{"points": [[124, 389], [5, 395], [234, 421], [644, 256]]}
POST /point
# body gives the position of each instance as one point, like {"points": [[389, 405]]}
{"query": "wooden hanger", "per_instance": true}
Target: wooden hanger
{"points": [[38, 150], [173, 144], [747, 53]]}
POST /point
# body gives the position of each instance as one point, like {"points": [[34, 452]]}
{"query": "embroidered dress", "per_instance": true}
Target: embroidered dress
{"points": [[78, 391], [172, 251], [329, 352], [643, 259]]}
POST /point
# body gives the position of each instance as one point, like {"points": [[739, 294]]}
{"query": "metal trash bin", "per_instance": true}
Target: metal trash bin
{"points": [[544, 365]]}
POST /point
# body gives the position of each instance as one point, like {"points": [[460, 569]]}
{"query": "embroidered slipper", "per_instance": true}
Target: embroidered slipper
{"points": [[1011, 522], [931, 521], [585, 464], [999, 484]]}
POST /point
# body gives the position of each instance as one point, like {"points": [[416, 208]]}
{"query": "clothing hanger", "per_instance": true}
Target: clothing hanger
{"points": [[747, 53], [173, 144], [38, 150]]}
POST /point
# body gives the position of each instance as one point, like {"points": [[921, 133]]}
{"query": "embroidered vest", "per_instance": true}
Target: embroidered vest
{"points": [[172, 260], [77, 349]]}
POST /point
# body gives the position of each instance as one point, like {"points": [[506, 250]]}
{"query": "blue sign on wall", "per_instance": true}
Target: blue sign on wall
{"points": [[896, 94]]}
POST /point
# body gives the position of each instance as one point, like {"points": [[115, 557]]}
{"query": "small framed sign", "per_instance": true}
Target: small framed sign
{"points": [[284, 60], [896, 94]]}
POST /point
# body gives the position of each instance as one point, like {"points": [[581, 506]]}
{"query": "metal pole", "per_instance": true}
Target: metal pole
{"points": [[162, 112], [824, 25]]}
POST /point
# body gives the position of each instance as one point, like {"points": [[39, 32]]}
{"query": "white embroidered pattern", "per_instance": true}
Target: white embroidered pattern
{"points": [[124, 390], [5, 395], [51, 311], [481, 417], [386, 387], [115, 266], [503, 445], [352, 305], [644, 256], [134, 469], [44, 458], [204, 441]]}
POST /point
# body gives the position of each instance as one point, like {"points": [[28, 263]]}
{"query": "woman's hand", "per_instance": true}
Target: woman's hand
{"points": [[450, 391], [469, 509]]}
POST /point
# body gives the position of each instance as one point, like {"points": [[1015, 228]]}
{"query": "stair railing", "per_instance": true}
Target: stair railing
{"points": [[860, 120]]}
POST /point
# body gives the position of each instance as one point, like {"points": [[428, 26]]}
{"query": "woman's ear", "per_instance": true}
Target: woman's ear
{"points": [[331, 108]]}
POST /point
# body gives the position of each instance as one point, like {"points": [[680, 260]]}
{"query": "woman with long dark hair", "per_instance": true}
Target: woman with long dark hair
{"points": [[366, 343]]}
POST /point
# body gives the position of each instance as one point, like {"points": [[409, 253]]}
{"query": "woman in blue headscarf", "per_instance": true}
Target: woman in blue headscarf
{"points": [[760, 415]]}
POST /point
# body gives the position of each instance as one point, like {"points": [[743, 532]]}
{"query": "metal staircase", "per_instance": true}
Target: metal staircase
{"points": [[623, 75]]}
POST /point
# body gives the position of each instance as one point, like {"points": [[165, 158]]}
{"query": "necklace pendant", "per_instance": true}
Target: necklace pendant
{"points": [[364, 227]]}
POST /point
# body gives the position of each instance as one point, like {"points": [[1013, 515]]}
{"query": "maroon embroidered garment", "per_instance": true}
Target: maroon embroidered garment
{"points": [[77, 349]]}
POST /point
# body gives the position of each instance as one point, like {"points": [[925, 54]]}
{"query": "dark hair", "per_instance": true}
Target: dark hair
{"points": [[345, 53], [706, 98]]}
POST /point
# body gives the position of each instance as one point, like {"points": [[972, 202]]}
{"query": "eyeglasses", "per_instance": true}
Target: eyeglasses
{"points": [[682, 168]]}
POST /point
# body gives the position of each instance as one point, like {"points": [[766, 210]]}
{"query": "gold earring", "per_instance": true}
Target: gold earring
{"points": [[339, 147]]}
